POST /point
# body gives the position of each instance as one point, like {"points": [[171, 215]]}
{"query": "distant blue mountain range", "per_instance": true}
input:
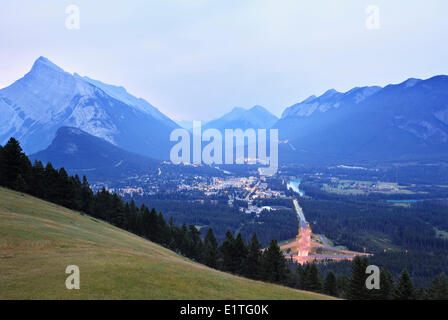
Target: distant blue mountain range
{"points": [[256, 117], [402, 122], [83, 154], [101, 161], [34, 107]]}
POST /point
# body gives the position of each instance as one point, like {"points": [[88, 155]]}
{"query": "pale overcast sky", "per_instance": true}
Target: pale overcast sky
{"points": [[196, 59]]}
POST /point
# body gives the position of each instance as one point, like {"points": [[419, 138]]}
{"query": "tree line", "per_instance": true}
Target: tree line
{"points": [[55, 185], [399, 237], [353, 287], [233, 255]]}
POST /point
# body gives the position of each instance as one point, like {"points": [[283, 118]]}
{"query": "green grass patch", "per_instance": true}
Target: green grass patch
{"points": [[38, 240]]}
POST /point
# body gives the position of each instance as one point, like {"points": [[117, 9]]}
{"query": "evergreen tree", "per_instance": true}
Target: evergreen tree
{"points": [[128, 217], [64, 189], [195, 250], [273, 264], [404, 289], [135, 219], [77, 195], [86, 196], [421, 294], [227, 253], [20, 184], [357, 288], [186, 243], [330, 286], [439, 288], [14, 163], [210, 238], [182, 239], [51, 178], [150, 225], [386, 286], [304, 272], [117, 213], [311, 278], [174, 231], [70, 185], [293, 280], [252, 264], [210, 255], [240, 254], [103, 205], [343, 286], [38, 185], [164, 230]]}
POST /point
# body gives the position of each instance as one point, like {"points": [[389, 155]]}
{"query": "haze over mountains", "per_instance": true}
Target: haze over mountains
{"points": [[34, 107], [83, 154], [256, 117], [406, 121], [401, 122]]}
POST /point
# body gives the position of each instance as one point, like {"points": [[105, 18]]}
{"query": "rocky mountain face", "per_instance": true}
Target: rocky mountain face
{"points": [[256, 117], [406, 122], [83, 154], [401, 122], [34, 107]]}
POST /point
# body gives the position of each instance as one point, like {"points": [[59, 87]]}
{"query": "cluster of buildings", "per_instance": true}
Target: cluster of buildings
{"points": [[365, 186], [253, 209], [246, 189], [215, 185], [244, 193], [263, 192], [121, 191]]}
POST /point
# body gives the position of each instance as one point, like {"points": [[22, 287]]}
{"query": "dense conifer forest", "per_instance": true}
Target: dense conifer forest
{"points": [[233, 254]]}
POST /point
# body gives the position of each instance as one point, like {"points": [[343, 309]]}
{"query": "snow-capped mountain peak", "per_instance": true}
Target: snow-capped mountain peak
{"points": [[43, 62], [120, 93], [239, 118], [47, 97]]}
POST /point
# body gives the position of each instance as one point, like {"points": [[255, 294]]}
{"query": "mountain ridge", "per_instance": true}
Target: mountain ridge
{"points": [[82, 153], [47, 97], [404, 121], [256, 117]]}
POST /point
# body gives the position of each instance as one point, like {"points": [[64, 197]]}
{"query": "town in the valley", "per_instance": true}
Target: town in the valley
{"points": [[247, 194]]}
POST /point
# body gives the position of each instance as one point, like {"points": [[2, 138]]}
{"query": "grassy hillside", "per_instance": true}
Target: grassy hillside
{"points": [[38, 240]]}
